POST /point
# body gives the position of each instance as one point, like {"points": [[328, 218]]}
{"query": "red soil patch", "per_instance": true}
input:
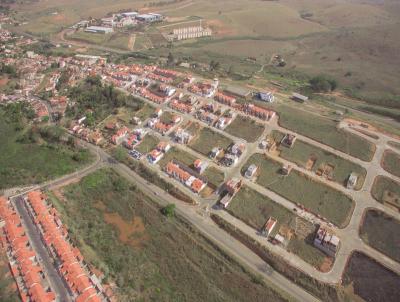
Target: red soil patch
{"points": [[3, 81], [219, 28]]}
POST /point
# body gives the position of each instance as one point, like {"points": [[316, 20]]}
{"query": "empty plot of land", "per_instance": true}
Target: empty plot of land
{"points": [[148, 143], [255, 209], [382, 232], [122, 233], [395, 145], [298, 188], [145, 112], [370, 280], [246, 128], [391, 162], [208, 139], [325, 131], [386, 191], [318, 160], [178, 155], [214, 176]]}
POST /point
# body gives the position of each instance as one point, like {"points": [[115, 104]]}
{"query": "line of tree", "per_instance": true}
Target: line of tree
{"points": [[323, 83]]}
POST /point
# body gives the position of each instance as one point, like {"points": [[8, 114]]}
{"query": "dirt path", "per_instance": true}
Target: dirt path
{"points": [[132, 40]]}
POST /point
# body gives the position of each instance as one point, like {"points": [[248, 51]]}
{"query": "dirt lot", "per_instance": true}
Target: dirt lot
{"points": [[370, 280], [246, 128]]}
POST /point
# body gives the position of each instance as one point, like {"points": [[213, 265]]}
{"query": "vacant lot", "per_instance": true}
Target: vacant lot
{"points": [[391, 162], [179, 155], [298, 188], [149, 143], [151, 258], [314, 158], [8, 287], [255, 209], [215, 177], [370, 280], [246, 128], [395, 145], [325, 131], [382, 232], [145, 112], [208, 139], [115, 40], [386, 191], [24, 163]]}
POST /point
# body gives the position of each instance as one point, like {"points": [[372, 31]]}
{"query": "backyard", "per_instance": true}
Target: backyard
{"points": [[298, 188], [246, 128], [121, 232]]}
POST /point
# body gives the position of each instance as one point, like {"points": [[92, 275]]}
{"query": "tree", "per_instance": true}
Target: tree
{"points": [[214, 65], [169, 210], [323, 83], [171, 59]]}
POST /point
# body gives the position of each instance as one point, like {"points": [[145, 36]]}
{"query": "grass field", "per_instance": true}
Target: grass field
{"points": [[151, 258], [382, 232], [177, 154], [391, 162], [246, 128], [149, 143], [370, 280], [254, 209], [298, 188], [32, 163], [208, 139], [382, 186], [114, 40], [8, 287], [145, 112], [324, 130], [215, 177], [301, 152]]}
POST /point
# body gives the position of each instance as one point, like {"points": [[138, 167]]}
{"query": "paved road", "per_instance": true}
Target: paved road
{"points": [[56, 282]]}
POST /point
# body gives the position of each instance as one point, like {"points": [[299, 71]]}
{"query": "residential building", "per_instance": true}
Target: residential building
{"points": [[154, 156], [269, 227], [288, 140], [99, 29], [251, 171], [182, 137], [352, 181], [266, 97], [200, 166], [327, 242]]}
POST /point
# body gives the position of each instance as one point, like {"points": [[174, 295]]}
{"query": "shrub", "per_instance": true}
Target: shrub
{"points": [[323, 83]]}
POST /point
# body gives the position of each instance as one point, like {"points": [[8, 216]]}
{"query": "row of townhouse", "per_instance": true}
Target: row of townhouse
{"points": [[184, 175], [159, 78], [82, 283], [87, 134], [181, 106], [258, 112], [28, 273], [225, 99], [152, 96]]}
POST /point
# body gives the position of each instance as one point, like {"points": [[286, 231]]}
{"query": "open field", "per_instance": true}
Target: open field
{"points": [[215, 177], [121, 232], [382, 232], [315, 196], [395, 145], [207, 140], [325, 131], [145, 112], [24, 163], [114, 40], [391, 162], [177, 154], [314, 158], [255, 209], [149, 143], [370, 280], [246, 128], [386, 190]]}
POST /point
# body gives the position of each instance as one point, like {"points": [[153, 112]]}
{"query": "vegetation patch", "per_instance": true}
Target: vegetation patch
{"points": [[386, 191], [178, 155], [148, 143], [214, 176], [318, 160], [31, 154], [391, 162], [382, 232], [395, 145], [246, 128], [172, 262], [370, 280], [8, 288], [325, 130], [208, 139], [255, 209], [301, 189]]}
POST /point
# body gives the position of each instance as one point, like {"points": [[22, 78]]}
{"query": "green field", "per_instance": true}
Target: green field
{"points": [[298, 188], [114, 40], [121, 232], [179, 155], [26, 163], [324, 130], [214, 176], [208, 139], [301, 152], [391, 162], [148, 143], [246, 128], [382, 232], [145, 112], [255, 209], [384, 185]]}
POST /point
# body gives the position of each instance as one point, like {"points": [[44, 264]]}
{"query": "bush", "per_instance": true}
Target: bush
{"points": [[323, 83], [169, 210]]}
